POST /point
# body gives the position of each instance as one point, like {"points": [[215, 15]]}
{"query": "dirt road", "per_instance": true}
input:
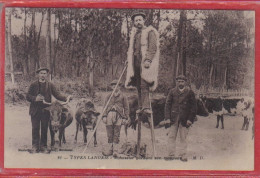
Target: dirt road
{"points": [[205, 142]]}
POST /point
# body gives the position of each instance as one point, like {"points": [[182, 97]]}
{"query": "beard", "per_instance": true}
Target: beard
{"points": [[42, 79], [139, 26]]}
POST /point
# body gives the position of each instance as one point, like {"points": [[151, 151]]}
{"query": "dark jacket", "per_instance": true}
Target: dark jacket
{"points": [[120, 104], [49, 90], [180, 104]]}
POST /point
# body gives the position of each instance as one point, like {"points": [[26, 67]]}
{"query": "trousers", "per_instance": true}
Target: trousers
{"points": [[113, 127], [172, 135], [220, 117], [40, 122], [246, 123], [141, 85]]}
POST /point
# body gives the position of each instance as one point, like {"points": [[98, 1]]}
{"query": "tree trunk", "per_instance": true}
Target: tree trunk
{"points": [[78, 67], [184, 44], [91, 74], [128, 31], [55, 47], [34, 48], [177, 66], [37, 43], [225, 78], [149, 19], [48, 42], [210, 75], [10, 46], [158, 19], [179, 46], [26, 51], [56, 44]]}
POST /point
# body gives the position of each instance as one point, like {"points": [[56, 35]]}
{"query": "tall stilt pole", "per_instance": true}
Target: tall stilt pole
{"points": [[138, 135], [139, 125], [152, 127], [104, 109]]}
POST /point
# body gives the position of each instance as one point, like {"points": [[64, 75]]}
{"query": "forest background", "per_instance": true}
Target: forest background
{"points": [[85, 49]]}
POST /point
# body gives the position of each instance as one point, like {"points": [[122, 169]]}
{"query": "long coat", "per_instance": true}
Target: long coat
{"points": [[34, 90], [180, 104], [150, 74], [119, 103]]}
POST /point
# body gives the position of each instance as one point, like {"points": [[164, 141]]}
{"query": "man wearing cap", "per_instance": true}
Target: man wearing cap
{"points": [[180, 111], [116, 114], [38, 91], [143, 60]]}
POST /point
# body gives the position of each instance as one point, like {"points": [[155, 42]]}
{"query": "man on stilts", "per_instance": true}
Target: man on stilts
{"points": [[143, 61]]}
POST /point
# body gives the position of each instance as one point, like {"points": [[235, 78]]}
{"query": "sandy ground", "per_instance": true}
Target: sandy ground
{"points": [[209, 148]]}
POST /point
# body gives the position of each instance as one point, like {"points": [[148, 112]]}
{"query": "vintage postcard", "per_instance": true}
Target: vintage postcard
{"points": [[155, 89]]}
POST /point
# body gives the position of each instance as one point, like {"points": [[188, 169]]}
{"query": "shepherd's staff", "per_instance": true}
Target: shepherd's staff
{"points": [[139, 130], [99, 119], [152, 127]]}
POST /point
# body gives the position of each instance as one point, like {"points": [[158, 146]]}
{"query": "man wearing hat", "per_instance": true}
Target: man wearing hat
{"points": [[38, 91], [143, 60], [116, 114], [180, 111]]}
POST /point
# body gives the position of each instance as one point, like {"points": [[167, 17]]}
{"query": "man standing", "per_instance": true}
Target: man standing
{"points": [[116, 114], [143, 60], [180, 111], [247, 114], [39, 91]]}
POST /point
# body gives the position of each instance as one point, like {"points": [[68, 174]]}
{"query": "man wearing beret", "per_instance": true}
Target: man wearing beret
{"points": [[39, 91], [180, 111], [116, 114], [143, 60]]}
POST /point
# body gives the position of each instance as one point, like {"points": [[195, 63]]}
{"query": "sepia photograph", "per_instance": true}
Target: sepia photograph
{"points": [[146, 89]]}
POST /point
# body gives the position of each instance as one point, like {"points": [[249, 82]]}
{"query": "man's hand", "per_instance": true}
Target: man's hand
{"points": [[39, 97], [147, 64], [104, 119], [167, 123], [189, 123], [128, 122], [124, 121], [69, 98]]}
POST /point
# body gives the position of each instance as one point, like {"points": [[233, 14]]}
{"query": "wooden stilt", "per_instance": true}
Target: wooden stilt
{"points": [[152, 127], [138, 136], [139, 125]]}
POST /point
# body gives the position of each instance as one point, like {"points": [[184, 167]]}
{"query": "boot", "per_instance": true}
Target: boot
{"points": [[116, 150], [110, 133], [123, 148], [116, 140], [34, 150], [45, 150], [184, 157], [108, 150]]}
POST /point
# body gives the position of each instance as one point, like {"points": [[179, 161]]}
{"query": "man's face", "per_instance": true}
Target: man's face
{"points": [[42, 75], [181, 83], [139, 22], [114, 86]]}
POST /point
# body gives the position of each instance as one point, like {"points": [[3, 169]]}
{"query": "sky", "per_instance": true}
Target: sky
{"points": [[17, 24]]}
